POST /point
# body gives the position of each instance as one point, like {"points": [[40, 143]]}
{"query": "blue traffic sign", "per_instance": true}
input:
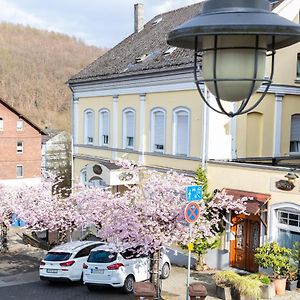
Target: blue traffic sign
{"points": [[194, 193], [192, 212]]}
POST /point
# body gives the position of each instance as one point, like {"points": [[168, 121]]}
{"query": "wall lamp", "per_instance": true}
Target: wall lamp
{"points": [[291, 177], [231, 40]]}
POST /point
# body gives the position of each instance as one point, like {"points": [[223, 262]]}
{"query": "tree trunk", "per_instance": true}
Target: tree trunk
{"points": [[200, 262], [154, 273], [3, 238]]}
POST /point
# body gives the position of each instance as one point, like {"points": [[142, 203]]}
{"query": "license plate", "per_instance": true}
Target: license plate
{"points": [[51, 271], [97, 271]]}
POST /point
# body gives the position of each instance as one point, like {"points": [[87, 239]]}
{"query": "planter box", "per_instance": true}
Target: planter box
{"points": [[223, 292], [237, 296], [291, 285], [268, 291]]}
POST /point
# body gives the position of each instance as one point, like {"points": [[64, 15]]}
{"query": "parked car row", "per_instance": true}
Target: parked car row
{"points": [[99, 264]]}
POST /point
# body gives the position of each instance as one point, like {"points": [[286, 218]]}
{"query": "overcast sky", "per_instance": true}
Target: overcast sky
{"points": [[102, 23]]}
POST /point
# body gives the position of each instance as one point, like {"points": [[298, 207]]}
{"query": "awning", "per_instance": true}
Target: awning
{"points": [[255, 200]]}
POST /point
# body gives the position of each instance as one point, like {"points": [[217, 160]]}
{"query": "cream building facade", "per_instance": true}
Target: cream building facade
{"points": [[138, 101]]}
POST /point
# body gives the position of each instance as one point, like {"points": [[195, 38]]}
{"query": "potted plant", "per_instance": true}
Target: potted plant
{"points": [[271, 255], [292, 277], [223, 280], [267, 287], [231, 285]]}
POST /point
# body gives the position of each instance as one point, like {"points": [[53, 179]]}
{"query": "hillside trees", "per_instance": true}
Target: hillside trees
{"points": [[34, 67]]}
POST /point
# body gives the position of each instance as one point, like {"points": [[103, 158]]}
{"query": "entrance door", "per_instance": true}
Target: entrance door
{"points": [[246, 232]]}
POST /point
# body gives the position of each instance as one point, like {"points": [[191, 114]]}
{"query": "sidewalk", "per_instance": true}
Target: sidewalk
{"points": [[174, 288]]}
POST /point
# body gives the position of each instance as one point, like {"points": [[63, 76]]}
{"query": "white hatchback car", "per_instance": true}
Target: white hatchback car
{"points": [[65, 262], [106, 267]]}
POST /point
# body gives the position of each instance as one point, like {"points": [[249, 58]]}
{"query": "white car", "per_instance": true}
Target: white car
{"points": [[65, 262], [106, 267]]}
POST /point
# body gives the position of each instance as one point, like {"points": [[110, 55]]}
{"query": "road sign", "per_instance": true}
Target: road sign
{"points": [[194, 193], [192, 212]]}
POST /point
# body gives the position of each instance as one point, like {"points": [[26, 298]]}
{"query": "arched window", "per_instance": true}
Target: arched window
{"points": [[1, 123], [104, 119], [89, 127], [181, 131], [83, 177], [285, 219], [295, 134], [158, 130], [128, 128]]}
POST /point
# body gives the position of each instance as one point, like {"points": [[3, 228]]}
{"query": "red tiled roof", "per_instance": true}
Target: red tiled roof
{"points": [[255, 202]]}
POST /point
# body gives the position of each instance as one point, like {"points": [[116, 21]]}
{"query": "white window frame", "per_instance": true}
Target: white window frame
{"points": [[1, 124], [101, 136], [86, 139], [125, 135], [176, 111], [298, 141], [83, 177], [20, 148], [153, 147], [273, 219], [20, 128], [22, 171]]}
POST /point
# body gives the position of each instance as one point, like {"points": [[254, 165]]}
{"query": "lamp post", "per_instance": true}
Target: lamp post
{"points": [[231, 40]]}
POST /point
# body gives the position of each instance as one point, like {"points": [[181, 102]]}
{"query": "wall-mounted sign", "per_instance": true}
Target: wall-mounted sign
{"points": [[97, 169], [125, 176], [284, 185]]}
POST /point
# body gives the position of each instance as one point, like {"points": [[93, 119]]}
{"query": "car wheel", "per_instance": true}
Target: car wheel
{"points": [[165, 271], [128, 284]]}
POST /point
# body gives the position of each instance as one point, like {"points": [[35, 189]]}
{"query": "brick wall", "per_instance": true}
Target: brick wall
{"points": [[30, 159]]}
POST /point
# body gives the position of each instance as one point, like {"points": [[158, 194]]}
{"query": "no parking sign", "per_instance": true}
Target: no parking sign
{"points": [[192, 212]]}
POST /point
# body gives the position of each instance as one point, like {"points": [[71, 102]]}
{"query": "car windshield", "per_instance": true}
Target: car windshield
{"points": [[57, 256], [102, 256]]}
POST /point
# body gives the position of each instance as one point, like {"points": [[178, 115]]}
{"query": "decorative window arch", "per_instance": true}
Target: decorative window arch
{"points": [[129, 128], [181, 131], [1, 124], [104, 127], [285, 220], [295, 134], [158, 130], [89, 126]]}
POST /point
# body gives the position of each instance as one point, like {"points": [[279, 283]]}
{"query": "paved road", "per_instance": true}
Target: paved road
{"points": [[41, 290]]}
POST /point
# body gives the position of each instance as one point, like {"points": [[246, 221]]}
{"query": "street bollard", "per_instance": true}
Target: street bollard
{"points": [[197, 291], [143, 291]]}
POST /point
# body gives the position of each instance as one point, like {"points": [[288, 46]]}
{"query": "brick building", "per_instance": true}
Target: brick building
{"points": [[20, 147]]}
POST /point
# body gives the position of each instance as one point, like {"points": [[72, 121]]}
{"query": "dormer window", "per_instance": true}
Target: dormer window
{"points": [[156, 21], [169, 51], [141, 58]]}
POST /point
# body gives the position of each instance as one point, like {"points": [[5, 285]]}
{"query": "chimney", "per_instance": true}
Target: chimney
{"points": [[138, 17]]}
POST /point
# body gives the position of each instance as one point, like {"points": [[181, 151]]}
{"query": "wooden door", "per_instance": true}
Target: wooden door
{"points": [[246, 233]]}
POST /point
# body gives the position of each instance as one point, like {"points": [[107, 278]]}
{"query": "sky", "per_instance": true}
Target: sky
{"points": [[102, 23]]}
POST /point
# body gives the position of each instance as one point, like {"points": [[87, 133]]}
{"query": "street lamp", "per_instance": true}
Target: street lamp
{"points": [[231, 40]]}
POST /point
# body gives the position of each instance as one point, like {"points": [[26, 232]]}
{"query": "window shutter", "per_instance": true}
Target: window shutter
{"points": [[159, 129], [130, 124], [105, 123], [90, 127], [295, 128], [182, 133]]}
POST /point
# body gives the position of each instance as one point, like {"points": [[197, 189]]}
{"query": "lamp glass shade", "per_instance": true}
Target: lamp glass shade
{"points": [[236, 59]]}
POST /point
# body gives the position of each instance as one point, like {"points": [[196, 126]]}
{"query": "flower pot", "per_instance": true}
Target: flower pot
{"points": [[223, 292], [268, 291], [280, 284], [291, 285]]}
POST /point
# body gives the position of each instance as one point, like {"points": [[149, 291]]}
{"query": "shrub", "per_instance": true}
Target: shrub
{"points": [[271, 255]]}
